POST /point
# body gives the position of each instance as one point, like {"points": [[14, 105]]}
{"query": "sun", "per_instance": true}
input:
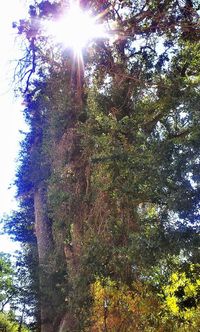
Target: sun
{"points": [[75, 29]]}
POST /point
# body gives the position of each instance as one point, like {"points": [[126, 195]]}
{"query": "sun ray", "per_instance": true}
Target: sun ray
{"points": [[75, 28]]}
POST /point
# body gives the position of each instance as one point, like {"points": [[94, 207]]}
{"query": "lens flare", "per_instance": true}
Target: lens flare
{"points": [[75, 29]]}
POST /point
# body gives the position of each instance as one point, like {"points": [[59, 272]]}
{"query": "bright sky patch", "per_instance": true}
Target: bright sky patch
{"points": [[75, 29]]}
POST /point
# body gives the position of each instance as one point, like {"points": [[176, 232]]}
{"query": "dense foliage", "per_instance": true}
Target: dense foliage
{"points": [[9, 324], [13, 303], [108, 180]]}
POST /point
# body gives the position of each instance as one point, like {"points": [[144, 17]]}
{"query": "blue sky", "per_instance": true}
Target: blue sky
{"points": [[11, 119]]}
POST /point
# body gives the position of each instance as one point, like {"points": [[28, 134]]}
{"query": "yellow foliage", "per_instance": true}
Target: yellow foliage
{"points": [[182, 293], [118, 308], [171, 302]]}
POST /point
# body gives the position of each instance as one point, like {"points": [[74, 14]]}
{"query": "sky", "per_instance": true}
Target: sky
{"points": [[11, 118]]}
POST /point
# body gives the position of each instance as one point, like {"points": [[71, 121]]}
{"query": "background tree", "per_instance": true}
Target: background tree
{"points": [[7, 287], [12, 306]]}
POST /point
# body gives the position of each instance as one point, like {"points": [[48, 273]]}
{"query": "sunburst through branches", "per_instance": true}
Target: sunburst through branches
{"points": [[76, 29]]}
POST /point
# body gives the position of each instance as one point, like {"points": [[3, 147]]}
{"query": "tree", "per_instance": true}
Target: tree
{"points": [[110, 165], [10, 293], [8, 324], [7, 287]]}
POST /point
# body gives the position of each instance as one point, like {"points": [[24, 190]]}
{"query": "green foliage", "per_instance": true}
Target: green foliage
{"points": [[8, 324], [14, 296], [7, 286]]}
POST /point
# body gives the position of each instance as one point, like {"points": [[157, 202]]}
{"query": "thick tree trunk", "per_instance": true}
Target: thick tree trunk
{"points": [[69, 323], [44, 244], [42, 225]]}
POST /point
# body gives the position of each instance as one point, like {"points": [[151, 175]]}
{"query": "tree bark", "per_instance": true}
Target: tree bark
{"points": [[44, 244]]}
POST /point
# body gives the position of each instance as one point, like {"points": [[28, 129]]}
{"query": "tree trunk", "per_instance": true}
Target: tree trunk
{"points": [[44, 244]]}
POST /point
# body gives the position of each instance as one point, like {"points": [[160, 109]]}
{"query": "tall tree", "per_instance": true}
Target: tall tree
{"points": [[112, 158]]}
